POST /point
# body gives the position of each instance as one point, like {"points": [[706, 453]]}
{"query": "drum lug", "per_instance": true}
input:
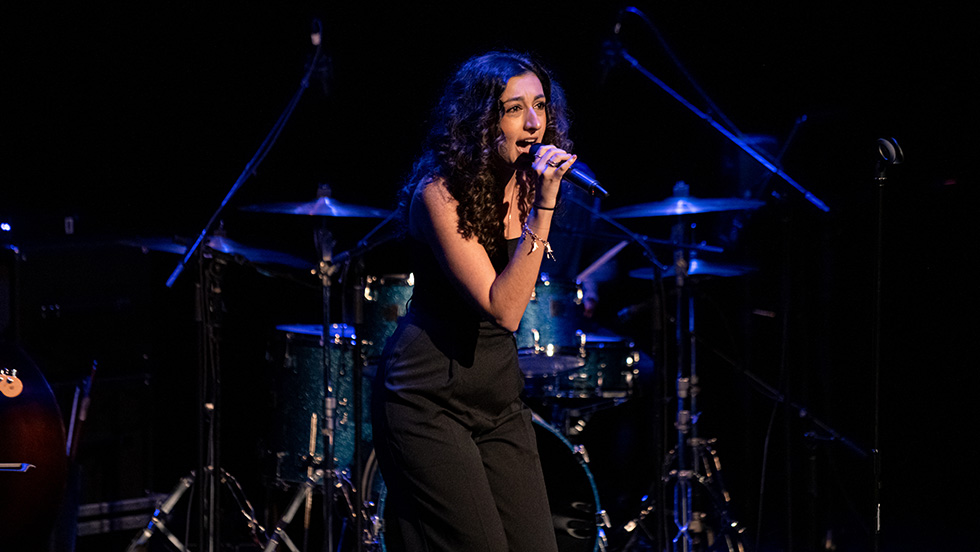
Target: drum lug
{"points": [[581, 452]]}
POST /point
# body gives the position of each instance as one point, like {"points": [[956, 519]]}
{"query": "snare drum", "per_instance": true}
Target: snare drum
{"points": [[299, 393], [579, 521], [385, 301]]}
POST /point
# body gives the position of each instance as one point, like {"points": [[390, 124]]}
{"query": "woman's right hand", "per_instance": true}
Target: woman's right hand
{"points": [[551, 163]]}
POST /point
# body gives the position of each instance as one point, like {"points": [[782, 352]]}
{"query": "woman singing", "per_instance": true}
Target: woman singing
{"points": [[455, 443]]}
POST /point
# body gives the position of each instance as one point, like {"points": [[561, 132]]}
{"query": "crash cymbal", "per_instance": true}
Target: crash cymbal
{"points": [[684, 205], [699, 267], [223, 245], [324, 207]]}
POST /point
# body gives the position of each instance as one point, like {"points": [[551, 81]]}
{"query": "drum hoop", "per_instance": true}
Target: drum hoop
{"points": [[580, 453]]}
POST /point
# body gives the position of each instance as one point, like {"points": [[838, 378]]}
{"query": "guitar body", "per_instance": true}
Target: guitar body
{"points": [[33, 462]]}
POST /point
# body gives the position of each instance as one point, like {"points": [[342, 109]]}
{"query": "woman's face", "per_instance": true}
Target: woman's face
{"points": [[524, 117]]}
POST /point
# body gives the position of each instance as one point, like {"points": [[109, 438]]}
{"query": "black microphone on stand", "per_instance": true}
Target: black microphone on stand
{"points": [[319, 65], [611, 50], [577, 177]]}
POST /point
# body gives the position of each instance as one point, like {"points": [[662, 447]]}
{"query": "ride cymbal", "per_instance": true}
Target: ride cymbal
{"points": [[323, 207], [684, 205], [699, 267]]}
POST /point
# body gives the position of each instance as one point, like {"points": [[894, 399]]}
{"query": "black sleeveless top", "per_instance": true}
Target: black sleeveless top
{"points": [[438, 306]]}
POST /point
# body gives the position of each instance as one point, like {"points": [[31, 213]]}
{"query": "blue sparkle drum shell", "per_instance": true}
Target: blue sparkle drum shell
{"points": [[553, 317], [385, 301], [297, 378]]}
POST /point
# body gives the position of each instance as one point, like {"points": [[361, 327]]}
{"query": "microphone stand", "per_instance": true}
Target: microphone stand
{"points": [[742, 144], [890, 153], [209, 373]]}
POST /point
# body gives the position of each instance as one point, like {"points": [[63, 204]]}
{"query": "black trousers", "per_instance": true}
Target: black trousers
{"points": [[456, 446]]}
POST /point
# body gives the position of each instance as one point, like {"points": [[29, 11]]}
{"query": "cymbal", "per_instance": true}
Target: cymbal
{"points": [[223, 245], [684, 205], [324, 207], [699, 267]]}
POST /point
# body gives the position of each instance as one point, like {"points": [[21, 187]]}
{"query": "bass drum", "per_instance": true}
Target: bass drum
{"points": [[579, 521]]}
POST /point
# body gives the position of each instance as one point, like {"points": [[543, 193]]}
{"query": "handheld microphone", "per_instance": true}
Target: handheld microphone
{"points": [[577, 177]]}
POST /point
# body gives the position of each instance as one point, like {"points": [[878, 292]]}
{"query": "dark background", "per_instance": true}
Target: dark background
{"points": [[133, 121]]}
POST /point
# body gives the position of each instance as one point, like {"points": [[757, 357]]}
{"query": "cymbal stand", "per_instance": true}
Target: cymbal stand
{"points": [[302, 494], [209, 307], [357, 495], [323, 468], [695, 462]]}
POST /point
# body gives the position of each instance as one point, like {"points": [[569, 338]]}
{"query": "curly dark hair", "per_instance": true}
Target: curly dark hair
{"points": [[462, 144]]}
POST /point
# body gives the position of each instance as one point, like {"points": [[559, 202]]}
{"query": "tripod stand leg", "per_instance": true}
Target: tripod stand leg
{"points": [[160, 514], [279, 535]]}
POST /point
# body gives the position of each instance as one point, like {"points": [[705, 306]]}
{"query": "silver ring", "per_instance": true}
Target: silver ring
{"points": [[553, 164]]}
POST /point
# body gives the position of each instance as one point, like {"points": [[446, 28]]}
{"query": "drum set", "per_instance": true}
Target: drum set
{"points": [[320, 375]]}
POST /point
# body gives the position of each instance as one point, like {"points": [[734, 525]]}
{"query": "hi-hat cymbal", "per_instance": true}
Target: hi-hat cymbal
{"points": [[699, 267], [324, 207], [684, 205], [223, 245]]}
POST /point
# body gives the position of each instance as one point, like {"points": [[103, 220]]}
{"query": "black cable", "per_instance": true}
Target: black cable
{"points": [[762, 481]]}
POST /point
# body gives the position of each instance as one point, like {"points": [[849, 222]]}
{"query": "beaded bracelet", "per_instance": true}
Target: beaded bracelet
{"points": [[526, 231]]}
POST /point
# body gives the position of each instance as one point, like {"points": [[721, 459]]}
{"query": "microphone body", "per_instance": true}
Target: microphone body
{"points": [[579, 178]]}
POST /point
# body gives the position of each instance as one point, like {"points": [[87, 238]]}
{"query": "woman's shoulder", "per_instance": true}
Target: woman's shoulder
{"points": [[431, 203], [434, 192]]}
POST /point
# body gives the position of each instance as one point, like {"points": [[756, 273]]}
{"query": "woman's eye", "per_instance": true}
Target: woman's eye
{"points": [[540, 106]]}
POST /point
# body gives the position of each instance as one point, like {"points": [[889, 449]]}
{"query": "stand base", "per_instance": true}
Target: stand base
{"points": [[161, 516], [699, 513]]}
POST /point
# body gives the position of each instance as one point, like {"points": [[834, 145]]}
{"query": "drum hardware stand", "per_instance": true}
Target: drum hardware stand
{"points": [[323, 470], [364, 529], [325, 242], [692, 462], [331, 478], [162, 513], [693, 455], [303, 493]]}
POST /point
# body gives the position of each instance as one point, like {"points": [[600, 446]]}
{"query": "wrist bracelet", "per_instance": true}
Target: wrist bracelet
{"points": [[543, 208], [526, 231]]}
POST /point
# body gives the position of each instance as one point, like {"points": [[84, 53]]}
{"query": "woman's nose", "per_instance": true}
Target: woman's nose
{"points": [[532, 121]]}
